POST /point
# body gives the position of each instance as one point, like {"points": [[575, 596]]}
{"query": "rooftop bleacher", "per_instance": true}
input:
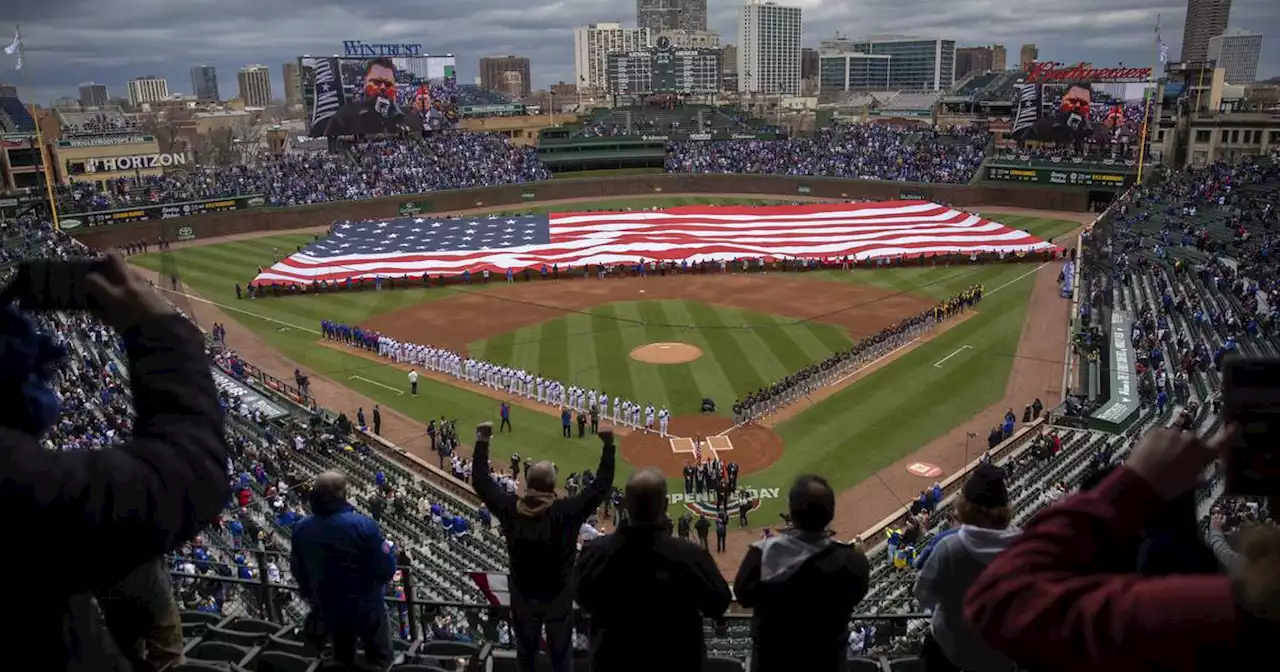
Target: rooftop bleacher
{"points": [[14, 116], [104, 121]]}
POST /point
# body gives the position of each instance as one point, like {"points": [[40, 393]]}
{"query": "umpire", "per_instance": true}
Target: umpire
{"points": [[542, 540]]}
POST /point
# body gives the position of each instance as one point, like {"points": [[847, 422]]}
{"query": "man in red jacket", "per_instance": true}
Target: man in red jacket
{"points": [[1048, 603]]}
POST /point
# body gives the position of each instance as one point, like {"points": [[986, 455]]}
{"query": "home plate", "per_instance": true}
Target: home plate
{"points": [[924, 470]]}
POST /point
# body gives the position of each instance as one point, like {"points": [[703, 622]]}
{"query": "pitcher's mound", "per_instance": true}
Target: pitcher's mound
{"points": [[666, 353]]}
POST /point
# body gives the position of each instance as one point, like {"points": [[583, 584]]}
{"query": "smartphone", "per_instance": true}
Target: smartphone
{"points": [[1251, 399], [42, 285]]}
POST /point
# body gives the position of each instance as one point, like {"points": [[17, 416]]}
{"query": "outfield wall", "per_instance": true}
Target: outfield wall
{"points": [[213, 224]]}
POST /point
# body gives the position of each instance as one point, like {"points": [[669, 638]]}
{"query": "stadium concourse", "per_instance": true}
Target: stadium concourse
{"points": [[1191, 255]]}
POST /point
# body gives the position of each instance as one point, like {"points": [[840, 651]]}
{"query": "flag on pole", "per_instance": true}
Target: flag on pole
{"points": [[15, 49]]}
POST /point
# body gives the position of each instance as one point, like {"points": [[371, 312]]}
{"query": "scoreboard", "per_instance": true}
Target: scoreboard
{"points": [[664, 69]]}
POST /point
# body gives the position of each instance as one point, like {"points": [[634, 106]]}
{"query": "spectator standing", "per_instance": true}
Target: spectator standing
{"points": [[702, 527], [802, 586], [647, 592], [132, 502], [343, 565], [143, 618], [953, 562], [377, 420], [1050, 602], [542, 540]]}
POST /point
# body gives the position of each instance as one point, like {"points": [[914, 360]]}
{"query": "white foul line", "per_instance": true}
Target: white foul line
{"points": [[1028, 273], [374, 382], [242, 311], [938, 364]]}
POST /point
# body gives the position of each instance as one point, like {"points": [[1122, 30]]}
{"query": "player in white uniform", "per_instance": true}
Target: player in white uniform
{"points": [[664, 416], [649, 415]]}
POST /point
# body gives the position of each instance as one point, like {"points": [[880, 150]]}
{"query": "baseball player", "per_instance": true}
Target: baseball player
{"points": [[617, 409], [664, 417], [649, 415]]}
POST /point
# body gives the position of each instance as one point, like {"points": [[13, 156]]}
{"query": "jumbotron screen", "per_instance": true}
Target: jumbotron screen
{"points": [[426, 84], [664, 69]]}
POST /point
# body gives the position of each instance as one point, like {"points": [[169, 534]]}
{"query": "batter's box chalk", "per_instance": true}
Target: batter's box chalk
{"points": [[719, 443], [681, 445]]}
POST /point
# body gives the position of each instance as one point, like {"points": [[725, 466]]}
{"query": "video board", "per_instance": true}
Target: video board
{"points": [[424, 91]]}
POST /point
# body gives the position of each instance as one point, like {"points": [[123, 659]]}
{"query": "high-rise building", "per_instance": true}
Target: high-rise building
{"points": [[1237, 52], [255, 85], [660, 15], [1028, 54], [148, 89], [592, 45], [93, 94], [970, 60], [204, 83], [292, 83], [1205, 19], [840, 70], [729, 67], [508, 75], [769, 48], [808, 63], [919, 64]]}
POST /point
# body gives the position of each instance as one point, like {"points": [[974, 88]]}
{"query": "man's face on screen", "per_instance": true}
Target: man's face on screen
{"points": [[1076, 101], [380, 82]]}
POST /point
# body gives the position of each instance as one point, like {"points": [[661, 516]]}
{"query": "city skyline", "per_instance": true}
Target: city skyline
{"points": [[111, 48]]}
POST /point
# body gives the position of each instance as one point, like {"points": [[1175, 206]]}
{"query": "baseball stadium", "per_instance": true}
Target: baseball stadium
{"points": [[978, 298]]}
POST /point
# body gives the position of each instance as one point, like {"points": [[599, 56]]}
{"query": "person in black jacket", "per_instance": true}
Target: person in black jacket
{"points": [[542, 540], [802, 586], [647, 592], [132, 502], [143, 618]]}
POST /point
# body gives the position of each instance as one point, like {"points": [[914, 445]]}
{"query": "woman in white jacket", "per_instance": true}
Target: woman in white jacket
{"points": [[951, 564]]}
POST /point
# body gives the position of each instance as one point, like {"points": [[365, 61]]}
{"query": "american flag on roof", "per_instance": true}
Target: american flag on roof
{"points": [[416, 245]]}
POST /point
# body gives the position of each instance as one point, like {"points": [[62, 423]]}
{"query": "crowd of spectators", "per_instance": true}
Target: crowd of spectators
{"points": [[867, 151], [369, 170]]}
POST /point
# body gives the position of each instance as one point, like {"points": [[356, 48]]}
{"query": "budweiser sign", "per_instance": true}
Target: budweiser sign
{"points": [[1042, 73]]}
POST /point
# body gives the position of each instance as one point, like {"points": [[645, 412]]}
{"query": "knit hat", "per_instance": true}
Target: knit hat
{"points": [[986, 487], [26, 355]]}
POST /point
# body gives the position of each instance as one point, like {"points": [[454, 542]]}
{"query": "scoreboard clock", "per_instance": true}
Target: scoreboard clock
{"points": [[664, 68]]}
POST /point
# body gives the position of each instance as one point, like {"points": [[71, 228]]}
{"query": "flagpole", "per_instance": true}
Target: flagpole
{"points": [[35, 118], [1146, 110]]}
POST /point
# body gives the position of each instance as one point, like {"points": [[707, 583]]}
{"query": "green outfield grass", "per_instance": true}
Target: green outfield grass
{"points": [[593, 349], [847, 438]]}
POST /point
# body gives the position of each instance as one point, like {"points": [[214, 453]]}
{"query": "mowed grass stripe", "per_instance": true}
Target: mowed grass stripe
{"points": [[580, 350], [815, 340], [684, 382], [656, 329], [646, 380], [738, 369], [550, 340], [612, 363], [771, 353], [706, 375]]}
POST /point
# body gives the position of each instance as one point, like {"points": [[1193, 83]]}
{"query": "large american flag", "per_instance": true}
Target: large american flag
{"points": [[417, 245]]}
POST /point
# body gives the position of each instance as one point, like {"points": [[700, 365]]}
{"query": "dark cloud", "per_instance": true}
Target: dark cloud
{"points": [[111, 41]]}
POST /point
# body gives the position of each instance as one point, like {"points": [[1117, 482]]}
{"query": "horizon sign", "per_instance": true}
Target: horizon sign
{"points": [[363, 49]]}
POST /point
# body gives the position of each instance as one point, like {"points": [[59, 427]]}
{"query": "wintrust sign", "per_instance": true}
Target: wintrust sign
{"points": [[137, 162], [1045, 73]]}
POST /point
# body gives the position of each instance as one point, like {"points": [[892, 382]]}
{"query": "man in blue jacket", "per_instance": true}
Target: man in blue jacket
{"points": [[342, 565]]}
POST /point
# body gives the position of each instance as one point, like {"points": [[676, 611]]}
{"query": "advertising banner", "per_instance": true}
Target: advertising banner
{"points": [[1063, 177], [153, 212], [804, 189], [528, 195], [414, 207], [113, 164], [105, 140]]}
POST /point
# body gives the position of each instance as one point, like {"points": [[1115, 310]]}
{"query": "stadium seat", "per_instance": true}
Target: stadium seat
{"points": [[206, 666], [222, 633], [722, 664], [290, 645], [413, 667], [864, 665], [219, 652], [279, 661], [912, 664], [203, 617], [450, 649]]}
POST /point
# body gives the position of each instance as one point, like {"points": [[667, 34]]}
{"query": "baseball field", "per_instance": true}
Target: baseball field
{"points": [[736, 332]]}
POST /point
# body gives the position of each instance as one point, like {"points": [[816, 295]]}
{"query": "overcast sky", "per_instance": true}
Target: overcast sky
{"points": [[112, 41]]}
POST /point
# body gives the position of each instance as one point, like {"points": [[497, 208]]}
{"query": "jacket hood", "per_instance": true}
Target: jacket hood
{"points": [[985, 544], [782, 555], [533, 503]]}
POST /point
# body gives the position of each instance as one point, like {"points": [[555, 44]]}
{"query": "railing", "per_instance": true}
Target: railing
{"points": [[412, 618]]}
